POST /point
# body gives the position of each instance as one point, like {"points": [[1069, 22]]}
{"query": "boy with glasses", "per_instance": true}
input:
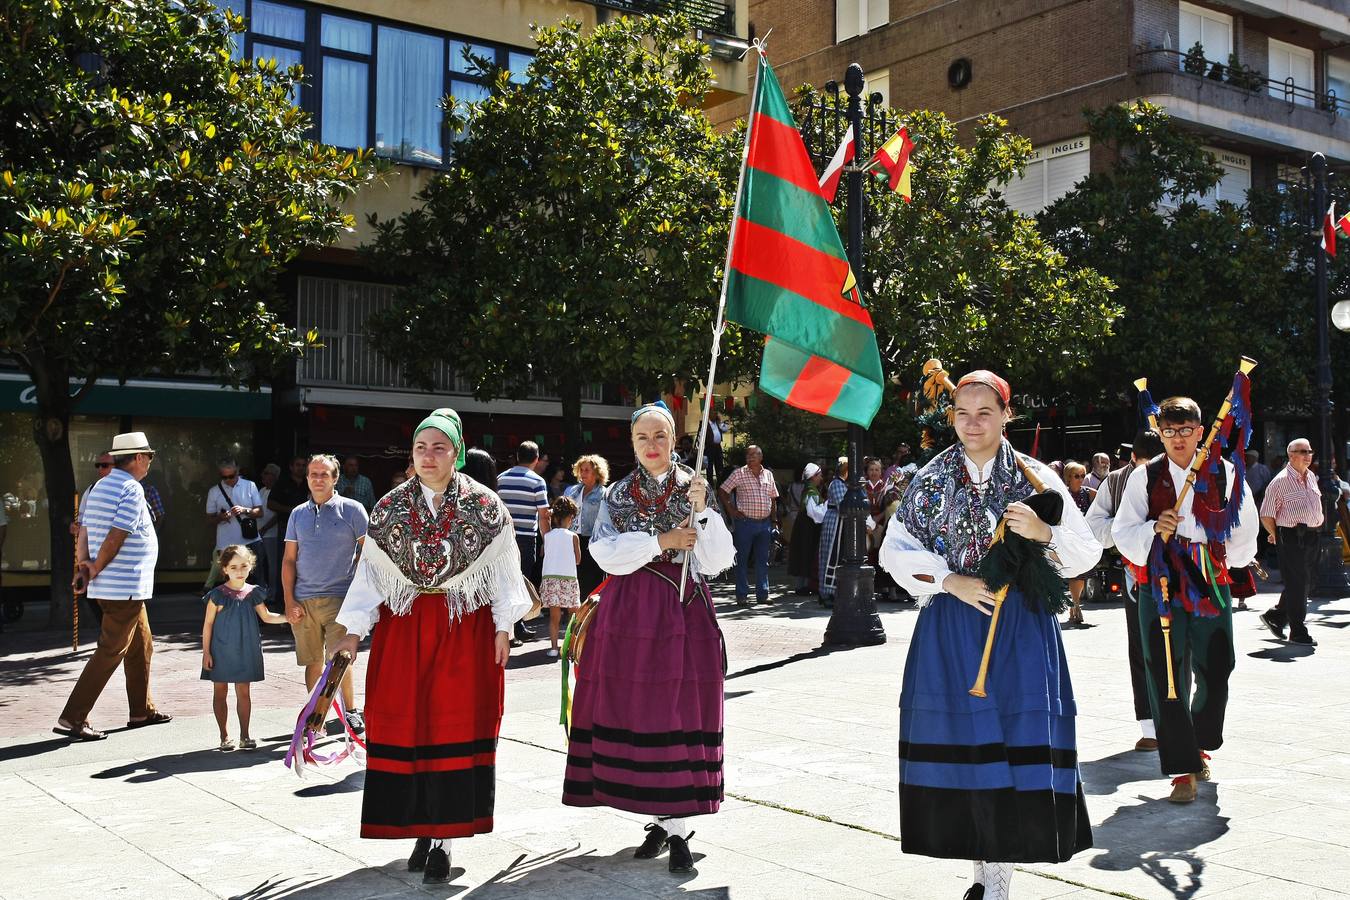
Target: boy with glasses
{"points": [[1291, 514], [1199, 589]]}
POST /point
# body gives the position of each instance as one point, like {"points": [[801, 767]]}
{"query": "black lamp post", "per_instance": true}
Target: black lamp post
{"points": [[854, 620], [1331, 579]]}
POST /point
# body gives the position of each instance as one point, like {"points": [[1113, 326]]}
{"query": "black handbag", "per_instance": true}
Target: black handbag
{"points": [[248, 526]]}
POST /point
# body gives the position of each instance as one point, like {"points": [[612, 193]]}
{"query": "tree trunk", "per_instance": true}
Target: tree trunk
{"points": [[569, 389], [51, 431]]}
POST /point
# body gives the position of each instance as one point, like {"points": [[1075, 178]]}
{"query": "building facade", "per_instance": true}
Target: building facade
{"points": [[375, 74], [1264, 83]]}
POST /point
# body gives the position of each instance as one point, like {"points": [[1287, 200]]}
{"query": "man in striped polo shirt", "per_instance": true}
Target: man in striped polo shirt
{"points": [[1291, 514], [525, 494], [117, 562]]}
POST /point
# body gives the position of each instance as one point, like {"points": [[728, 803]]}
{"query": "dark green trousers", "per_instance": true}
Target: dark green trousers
{"points": [[1200, 645]]}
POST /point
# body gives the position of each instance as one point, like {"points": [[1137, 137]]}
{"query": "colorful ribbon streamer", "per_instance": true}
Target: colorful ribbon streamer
{"points": [[303, 741]]}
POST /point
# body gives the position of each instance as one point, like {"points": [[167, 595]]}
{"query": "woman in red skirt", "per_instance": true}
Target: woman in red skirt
{"points": [[440, 574], [646, 732]]}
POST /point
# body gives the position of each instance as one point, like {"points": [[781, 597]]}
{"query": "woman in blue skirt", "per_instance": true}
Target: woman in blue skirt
{"points": [[994, 779]]}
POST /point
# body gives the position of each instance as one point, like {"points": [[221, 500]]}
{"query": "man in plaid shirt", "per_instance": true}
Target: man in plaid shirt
{"points": [[754, 516]]}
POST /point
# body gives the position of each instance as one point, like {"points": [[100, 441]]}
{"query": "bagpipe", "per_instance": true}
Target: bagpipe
{"points": [[309, 725], [1193, 565], [1013, 561]]}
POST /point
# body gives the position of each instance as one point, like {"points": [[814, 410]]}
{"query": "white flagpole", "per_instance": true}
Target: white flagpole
{"points": [[722, 305]]}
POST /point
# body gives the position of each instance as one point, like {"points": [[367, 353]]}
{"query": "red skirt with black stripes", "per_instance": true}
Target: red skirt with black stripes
{"points": [[433, 712]]}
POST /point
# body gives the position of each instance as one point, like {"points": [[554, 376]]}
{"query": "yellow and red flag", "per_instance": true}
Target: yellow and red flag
{"points": [[894, 157]]}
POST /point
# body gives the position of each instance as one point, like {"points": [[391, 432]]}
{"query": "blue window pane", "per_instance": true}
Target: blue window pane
{"points": [[466, 92], [518, 63], [409, 82], [345, 101], [278, 21], [459, 64], [236, 41], [345, 34], [285, 57]]}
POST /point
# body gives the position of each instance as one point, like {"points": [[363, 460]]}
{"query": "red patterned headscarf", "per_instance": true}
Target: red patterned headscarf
{"points": [[989, 380]]}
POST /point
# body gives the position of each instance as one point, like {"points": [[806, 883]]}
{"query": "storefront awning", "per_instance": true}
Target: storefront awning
{"points": [[146, 397]]}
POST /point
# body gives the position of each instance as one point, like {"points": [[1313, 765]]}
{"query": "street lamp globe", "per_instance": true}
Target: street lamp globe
{"points": [[1340, 315]]}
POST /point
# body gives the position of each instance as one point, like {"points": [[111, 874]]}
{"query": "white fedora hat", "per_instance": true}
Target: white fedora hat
{"points": [[131, 443]]}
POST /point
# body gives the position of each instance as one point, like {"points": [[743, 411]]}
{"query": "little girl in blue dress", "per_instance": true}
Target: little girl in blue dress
{"points": [[231, 643]]}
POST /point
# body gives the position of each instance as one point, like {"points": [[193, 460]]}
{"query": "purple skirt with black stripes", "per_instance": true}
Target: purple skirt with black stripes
{"points": [[994, 778], [647, 710]]}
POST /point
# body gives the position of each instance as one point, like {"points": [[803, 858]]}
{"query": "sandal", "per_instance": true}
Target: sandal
{"points": [[226, 746], [248, 744], [155, 718], [80, 732]]}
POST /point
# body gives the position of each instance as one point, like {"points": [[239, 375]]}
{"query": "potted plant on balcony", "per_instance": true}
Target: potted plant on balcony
{"points": [[1194, 61], [1244, 77]]}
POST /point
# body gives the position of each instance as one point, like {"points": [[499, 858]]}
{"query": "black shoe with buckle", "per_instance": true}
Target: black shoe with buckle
{"points": [[418, 861], [976, 892], [438, 867], [1269, 621], [681, 860], [651, 847]]}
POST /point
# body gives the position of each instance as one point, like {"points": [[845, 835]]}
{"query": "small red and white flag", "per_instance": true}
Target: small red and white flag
{"points": [[829, 179], [1329, 231]]}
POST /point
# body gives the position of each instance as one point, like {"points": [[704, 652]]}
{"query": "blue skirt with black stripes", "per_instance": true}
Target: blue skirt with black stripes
{"points": [[995, 778]]}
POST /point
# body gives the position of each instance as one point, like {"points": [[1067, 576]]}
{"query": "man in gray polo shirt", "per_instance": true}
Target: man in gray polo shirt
{"points": [[323, 543]]}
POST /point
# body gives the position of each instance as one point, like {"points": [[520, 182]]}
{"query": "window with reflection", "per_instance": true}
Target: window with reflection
{"points": [[370, 84]]}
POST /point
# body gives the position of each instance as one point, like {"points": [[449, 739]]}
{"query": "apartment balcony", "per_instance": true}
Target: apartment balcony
{"points": [[716, 16], [1328, 16], [716, 23], [1246, 105], [347, 369]]}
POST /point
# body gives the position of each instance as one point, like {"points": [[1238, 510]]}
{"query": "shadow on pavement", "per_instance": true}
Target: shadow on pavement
{"points": [[23, 751], [629, 877], [383, 881], [817, 653], [1103, 777], [1283, 653], [351, 783], [146, 770], [1160, 839]]}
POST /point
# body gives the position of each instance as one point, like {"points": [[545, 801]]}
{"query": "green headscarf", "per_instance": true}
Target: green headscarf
{"points": [[446, 421]]}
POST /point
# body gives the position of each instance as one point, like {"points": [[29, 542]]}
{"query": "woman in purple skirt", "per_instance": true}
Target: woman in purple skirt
{"points": [[646, 732]]}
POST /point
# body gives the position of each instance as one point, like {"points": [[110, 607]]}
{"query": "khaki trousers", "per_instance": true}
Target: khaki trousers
{"points": [[124, 640]]}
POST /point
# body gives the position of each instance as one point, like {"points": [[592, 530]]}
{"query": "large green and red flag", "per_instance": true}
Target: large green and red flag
{"points": [[789, 276]]}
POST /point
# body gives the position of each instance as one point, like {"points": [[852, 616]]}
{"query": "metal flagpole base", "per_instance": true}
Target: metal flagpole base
{"points": [[854, 621], [1331, 575]]}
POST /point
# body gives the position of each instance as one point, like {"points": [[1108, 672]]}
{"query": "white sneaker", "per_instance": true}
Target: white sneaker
{"points": [[552, 653]]}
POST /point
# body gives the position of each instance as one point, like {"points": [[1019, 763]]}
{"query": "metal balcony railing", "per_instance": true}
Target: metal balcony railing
{"points": [[712, 15], [1243, 79], [338, 310]]}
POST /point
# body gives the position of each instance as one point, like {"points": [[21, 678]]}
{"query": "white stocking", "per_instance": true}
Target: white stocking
{"points": [[979, 872], [674, 826], [997, 880]]}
